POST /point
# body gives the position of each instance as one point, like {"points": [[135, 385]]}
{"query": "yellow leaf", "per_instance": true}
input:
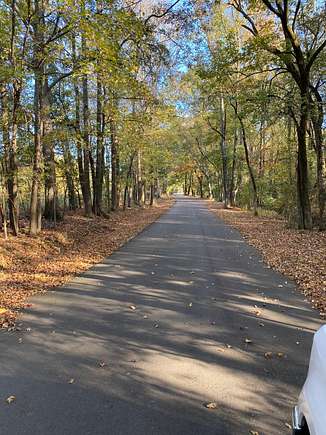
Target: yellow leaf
{"points": [[211, 405], [10, 399]]}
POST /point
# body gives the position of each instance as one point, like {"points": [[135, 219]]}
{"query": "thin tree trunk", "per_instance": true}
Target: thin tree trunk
{"points": [[250, 170], [86, 144], [224, 153], [11, 157], [234, 156], [99, 170], [128, 182], [68, 160], [114, 167], [141, 190], [3, 215], [152, 193], [12, 181]]}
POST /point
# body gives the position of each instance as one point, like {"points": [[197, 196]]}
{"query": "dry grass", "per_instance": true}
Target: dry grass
{"points": [[30, 265], [301, 255]]}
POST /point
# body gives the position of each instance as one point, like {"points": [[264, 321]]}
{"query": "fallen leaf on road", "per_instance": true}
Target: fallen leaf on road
{"points": [[268, 355], [288, 425], [71, 381], [280, 354], [210, 405], [132, 307], [253, 432], [156, 325], [10, 399]]}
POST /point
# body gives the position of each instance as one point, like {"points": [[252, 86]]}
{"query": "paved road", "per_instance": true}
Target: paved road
{"points": [[195, 284]]}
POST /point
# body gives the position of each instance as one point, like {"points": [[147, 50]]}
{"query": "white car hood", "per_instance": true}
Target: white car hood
{"points": [[312, 401]]}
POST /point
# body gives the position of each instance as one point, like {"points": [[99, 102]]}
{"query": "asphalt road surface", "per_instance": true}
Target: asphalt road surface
{"points": [[85, 362]]}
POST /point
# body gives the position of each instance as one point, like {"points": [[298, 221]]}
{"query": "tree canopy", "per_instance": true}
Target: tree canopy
{"points": [[108, 104]]}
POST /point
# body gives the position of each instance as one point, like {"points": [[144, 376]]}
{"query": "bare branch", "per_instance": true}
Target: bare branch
{"points": [[315, 54], [163, 13]]}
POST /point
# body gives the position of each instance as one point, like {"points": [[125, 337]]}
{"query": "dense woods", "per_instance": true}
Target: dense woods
{"points": [[79, 108], [110, 104], [256, 133]]}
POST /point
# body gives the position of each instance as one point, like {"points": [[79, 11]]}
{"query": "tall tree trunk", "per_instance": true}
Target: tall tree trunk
{"points": [[234, 158], [99, 170], [50, 183], [87, 196], [317, 117], [5, 163], [246, 149], [223, 152], [79, 138], [304, 208], [12, 181], [11, 144], [250, 170], [114, 166], [38, 66], [35, 205]]}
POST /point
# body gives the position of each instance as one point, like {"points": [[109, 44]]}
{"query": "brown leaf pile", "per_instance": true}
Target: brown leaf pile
{"points": [[30, 265], [301, 255]]}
